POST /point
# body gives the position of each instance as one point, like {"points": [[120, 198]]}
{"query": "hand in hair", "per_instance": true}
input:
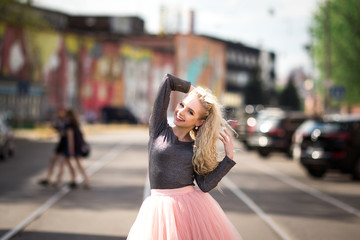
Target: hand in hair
{"points": [[226, 138]]}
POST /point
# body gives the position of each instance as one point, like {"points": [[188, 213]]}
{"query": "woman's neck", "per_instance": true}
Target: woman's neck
{"points": [[182, 134]]}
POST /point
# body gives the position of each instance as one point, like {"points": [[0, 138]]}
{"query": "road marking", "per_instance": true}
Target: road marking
{"points": [[115, 151], [254, 207], [106, 159], [305, 188], [51, 201]]}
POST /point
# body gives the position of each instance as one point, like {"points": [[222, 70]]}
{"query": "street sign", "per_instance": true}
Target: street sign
{"points": [[337, 93]]}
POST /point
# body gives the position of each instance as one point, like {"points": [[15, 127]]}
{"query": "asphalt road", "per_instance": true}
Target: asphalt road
{"points": [[265, 199]]}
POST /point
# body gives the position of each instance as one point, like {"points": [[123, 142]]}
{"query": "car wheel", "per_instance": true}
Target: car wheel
{"points": [[356, 170], [247, 146], [11, 152], [289, 154], [316, 173], [3, 153], [6, 151], [264, 152]]}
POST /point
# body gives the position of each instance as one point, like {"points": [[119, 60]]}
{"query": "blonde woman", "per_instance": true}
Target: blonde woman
{"points": [[179, 155]]}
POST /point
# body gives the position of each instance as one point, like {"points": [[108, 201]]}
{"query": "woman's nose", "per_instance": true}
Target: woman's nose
{"points": [[180, 112]]}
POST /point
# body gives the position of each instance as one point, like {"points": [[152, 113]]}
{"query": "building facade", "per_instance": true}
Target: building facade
{"points": [[89, 63]]}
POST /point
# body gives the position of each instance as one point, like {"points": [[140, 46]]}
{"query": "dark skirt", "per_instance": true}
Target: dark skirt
{"points": [[60, 146]]}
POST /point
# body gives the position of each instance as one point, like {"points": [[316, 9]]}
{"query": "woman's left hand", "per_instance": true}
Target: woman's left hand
{"points": [[226, 138]]}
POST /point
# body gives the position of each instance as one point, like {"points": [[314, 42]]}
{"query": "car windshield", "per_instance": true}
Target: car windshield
{"points": [[324, 127], [330, 127], [308, 126]]}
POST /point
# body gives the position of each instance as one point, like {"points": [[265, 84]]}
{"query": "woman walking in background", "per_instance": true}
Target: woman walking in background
{"points": [[74, 140], [59, 126], [179, 155]]}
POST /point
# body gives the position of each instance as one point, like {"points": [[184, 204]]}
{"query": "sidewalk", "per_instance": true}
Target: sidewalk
{"points": [[46, 132]]}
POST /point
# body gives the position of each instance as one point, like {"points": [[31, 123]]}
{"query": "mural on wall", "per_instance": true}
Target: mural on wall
{"points": [[64, 69], [16, 69], [100, 77], [201, 61], [81, 72], [162, 63], [14, 58], [137, 70]]}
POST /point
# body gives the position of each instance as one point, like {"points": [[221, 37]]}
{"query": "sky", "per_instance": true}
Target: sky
{"points": [[280, 26]]}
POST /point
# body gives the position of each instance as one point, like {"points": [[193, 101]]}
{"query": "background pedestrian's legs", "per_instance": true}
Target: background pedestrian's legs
{"points": [[67, 161], [51, 166], [83, 171]]}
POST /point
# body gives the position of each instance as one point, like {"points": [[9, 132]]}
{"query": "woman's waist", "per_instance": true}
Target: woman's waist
{"points": [[170, 179], [172, 191]]}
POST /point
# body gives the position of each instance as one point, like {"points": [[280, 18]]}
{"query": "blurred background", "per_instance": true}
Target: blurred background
{"points": [[287, 73], [107, 58]]}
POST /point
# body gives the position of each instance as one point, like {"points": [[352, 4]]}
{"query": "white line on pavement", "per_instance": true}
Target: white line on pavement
{"points": [[254, 207], [305, 188], [51, 201], [63, 191], [106, 159]]}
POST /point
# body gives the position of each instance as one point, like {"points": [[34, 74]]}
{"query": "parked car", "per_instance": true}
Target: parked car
{"points": [[273, 131], [330, 144], [246, 123], [303, 130], [6, 138], [118, 115]]}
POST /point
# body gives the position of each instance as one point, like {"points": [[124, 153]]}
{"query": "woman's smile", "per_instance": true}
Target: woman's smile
{"points": [[178, 118]]}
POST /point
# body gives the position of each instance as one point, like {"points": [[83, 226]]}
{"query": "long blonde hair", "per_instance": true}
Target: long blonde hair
{"points": [[205, 158]]}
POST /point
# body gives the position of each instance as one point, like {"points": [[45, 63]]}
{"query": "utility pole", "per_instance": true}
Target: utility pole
{"points": [[327, 55]]}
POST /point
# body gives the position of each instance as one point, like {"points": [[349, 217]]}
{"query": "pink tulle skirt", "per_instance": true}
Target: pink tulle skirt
{"points": [[181, 214]]}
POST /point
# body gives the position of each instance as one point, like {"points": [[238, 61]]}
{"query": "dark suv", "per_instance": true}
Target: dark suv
{"points": [[332, 143], [273, 131]]}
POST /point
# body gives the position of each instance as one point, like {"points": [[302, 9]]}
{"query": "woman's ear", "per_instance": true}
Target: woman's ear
{"points": [[199, 122]]}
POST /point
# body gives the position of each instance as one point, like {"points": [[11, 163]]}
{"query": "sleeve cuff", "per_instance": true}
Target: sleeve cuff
{"points": [[229, 161], [178, 84]]}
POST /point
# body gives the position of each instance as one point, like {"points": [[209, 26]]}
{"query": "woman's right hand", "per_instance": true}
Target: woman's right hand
{"points": [[226, 138]]}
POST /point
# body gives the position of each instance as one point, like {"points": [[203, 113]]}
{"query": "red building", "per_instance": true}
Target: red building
{"points": [[92, 63]]}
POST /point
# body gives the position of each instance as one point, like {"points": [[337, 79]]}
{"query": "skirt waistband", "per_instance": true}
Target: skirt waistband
{"points": [[170, 192]]}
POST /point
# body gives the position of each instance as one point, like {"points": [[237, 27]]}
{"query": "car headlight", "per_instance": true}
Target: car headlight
{"points": [[263, 141]]}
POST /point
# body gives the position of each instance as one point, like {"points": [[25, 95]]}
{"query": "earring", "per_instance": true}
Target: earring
{"points": [[196, 128]]}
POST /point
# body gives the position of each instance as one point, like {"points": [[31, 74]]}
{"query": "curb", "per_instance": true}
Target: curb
{"points": [[46, 132]]}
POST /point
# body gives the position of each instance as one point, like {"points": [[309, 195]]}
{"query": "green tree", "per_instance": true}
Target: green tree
{"points": [[289, 96], [255, 93], [338, 22]]}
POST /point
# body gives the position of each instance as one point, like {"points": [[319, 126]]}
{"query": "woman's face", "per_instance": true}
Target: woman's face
{"points": [[189, 113]]}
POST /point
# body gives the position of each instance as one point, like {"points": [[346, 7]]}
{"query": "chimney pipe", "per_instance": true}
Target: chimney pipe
{"points": [[192, 22]]}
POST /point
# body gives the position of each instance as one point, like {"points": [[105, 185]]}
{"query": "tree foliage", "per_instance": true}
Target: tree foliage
{"points": [[344, 35], [289, 97]]}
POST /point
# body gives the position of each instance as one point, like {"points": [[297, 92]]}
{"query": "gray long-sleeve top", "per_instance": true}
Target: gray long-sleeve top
{"points": [[170, 160]]}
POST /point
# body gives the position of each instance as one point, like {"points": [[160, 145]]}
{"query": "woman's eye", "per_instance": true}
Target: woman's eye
{"points": [[181, 104], [191, 112]]}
